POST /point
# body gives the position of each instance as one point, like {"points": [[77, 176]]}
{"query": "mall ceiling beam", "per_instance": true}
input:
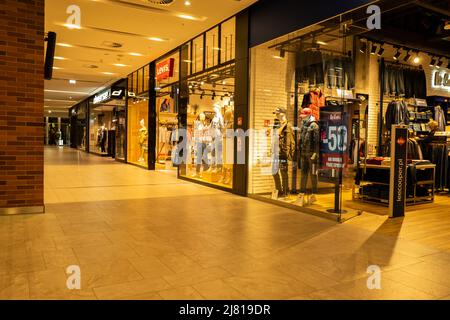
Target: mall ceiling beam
{"points": [[409, 40], [433, 8]]}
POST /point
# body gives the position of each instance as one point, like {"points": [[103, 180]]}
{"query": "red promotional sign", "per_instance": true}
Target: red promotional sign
{"points": [[165, 69]]}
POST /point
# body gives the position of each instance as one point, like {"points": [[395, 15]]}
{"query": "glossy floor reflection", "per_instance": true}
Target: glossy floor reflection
{"points": [[138, 234]]}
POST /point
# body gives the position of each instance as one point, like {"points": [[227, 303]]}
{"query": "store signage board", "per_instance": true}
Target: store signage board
{"points": [[111, 93], [102, 96], [441, 80], [397, 186], [334, 139], [164, 69]]}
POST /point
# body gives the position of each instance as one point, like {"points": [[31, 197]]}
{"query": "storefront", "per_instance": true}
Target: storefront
{"points": [[207, 110], [106, 122], [167, 102], [323, 102], [138, 118], [78, 116]]}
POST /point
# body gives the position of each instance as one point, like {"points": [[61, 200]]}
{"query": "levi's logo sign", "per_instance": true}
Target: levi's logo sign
{"points": [[164, 69]]}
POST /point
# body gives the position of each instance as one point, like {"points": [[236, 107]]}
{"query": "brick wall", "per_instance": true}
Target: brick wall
{"points": [[21, 103]]}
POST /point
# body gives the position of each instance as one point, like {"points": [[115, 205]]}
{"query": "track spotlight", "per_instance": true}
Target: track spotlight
{"points": [[282, 53], [440, 63], [397, 54], [407, 57], [381, 51], [373, 50], [363, 47], [202, 94], [213, 95], [433, 61]]}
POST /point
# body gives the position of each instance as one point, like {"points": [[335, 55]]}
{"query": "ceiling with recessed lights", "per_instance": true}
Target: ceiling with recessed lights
{"points": [[116, 37]]}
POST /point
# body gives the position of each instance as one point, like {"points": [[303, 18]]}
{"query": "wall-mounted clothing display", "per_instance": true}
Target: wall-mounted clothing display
{"points": [[404, 81], [396, 113]]}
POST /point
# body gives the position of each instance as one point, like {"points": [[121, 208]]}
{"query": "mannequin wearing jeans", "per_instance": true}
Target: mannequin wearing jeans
{"points": [[283, 151], [309, 146]]}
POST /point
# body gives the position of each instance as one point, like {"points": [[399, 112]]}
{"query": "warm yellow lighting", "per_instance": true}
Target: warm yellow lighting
{"points": [[135, 54], [72, 26], [120, 65], [65, 45], [60, 58], [156, 39]]}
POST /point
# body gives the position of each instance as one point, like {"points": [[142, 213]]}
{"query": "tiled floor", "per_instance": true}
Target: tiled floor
{"points": [[146, 235]]}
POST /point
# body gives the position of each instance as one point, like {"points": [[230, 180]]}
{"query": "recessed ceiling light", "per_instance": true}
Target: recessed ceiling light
{"points": [[109, 73], [73, 81], [322, 43], [135, 54], [120, 65], [187, 3], [277, 57], [57, 68], [72, 26], [156, 39], [66, 45], [63, 91], [60, 58], [186, 16], [49, 111]]}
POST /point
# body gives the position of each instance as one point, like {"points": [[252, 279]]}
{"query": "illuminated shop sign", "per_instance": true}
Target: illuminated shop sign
{"points": [[165, 69], [103, 96], [441, 80], [111, 93]]}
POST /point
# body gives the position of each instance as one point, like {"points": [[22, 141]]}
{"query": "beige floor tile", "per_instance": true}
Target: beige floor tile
{"points": [[218, 290], [108, 273], [14, 287], [268, 284], [85, 228], [430, 271], [414, 281], [32, 262], [150, 267], [60, 258], [178, 262], [93, 254], [196, 276], [130, 289], [82, 240], [182, 293]]}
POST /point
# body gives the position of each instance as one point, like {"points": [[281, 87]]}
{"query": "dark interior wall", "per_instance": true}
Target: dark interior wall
{"points": [[270, 19]]}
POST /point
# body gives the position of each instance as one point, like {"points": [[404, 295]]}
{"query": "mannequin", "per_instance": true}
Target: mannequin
{"points": [[104, 137], [217, 125], [284, 149], [309, 146], [143, 140], [200, 128]]}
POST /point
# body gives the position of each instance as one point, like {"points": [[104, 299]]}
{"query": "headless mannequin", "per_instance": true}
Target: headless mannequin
{"points": [[200, 145], [143, 140], [285, 143], [309, 145], [217, 125]]}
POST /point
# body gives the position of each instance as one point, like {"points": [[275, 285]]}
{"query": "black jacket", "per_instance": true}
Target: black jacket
{"points": [[309, 140], [286, 143]]}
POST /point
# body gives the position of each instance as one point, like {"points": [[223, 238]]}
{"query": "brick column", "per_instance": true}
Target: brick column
{"points": [[21, 106]]}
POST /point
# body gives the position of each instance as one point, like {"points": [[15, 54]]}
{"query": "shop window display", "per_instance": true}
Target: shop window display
{"points": [[137, 117], [137, 152], [167, 92], [120, 125], [210, 150], [101, 129], [81, 127], [302, 102]]}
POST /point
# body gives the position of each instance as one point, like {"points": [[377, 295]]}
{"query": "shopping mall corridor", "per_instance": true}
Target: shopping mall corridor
{"points": [[147, 235]]}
